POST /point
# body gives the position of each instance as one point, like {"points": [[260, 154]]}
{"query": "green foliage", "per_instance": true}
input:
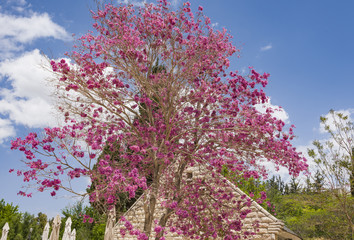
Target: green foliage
{"points": [[7, 210], [295, 186], [251, 186], [335, 163], [21, 223], [275, 187], [10, 214], [98, 231], [335, 157], [314, 215], [310, 211], [318, 182], [85, 229], [313, 211]]}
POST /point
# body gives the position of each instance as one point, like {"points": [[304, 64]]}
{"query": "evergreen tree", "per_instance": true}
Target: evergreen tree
{"points": [[124, 202], [318, 181], [295, 186]]}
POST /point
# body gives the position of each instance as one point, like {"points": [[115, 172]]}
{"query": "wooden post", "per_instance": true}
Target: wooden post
{"points": [[55, 228], [67, 231], [45, 232], [73, 235], [5, 231]]}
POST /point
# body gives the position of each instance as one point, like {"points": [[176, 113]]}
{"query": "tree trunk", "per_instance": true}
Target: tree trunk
{"points": [[149, 214], [164, 218], [150, 207], [351, 177]]}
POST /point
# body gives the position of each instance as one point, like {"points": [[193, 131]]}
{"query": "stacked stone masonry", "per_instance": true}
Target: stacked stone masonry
{"points": [[269, 227]]}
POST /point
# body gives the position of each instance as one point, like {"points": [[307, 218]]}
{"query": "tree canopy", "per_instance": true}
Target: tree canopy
{"points": [[196, 112], [334, 160]]}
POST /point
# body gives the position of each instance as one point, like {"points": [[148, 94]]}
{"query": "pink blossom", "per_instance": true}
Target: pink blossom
{"points": [[135, 148], [199, 114]]}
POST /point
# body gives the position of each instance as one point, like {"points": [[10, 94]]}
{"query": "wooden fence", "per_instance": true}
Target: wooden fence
{"points": [[68, 234]]}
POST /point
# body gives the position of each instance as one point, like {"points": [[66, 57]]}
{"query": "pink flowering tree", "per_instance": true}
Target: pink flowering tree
{"points": [[192, 112]]}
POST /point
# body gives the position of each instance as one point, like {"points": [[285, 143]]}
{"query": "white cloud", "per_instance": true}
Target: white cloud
{"points": [[323, 138], [303, 149], [134, 2], [214, 25], [267, 47], [16, 31], [273, 169], [28, 99], [175, 3], [26, 29], [141, 3], [6, 130], [18, 2], [279, 112], [330, 119], [244, 70]]}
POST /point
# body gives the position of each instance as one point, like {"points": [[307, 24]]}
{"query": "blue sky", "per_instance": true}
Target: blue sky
{"points": [[306, 46]]}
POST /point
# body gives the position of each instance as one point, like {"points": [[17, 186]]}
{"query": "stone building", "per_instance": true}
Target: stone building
{"points": [[269, 227]]}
